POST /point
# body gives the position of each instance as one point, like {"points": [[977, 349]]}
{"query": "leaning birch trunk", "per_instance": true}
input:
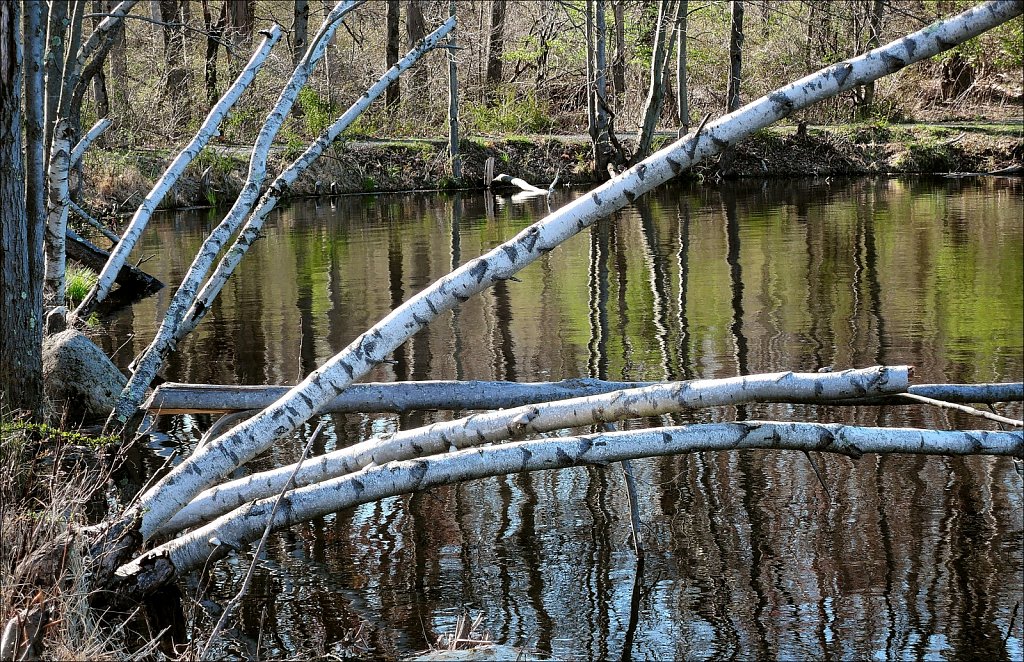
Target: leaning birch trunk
{"points": [[254, 436], [246, 523], [56, 215], [149, 362], [206, 132], [95, 132], [251, 231], [491, 427]]}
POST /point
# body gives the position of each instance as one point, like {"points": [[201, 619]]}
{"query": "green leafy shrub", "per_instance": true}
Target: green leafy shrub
{"points": [[509, 111], [318, 112]]}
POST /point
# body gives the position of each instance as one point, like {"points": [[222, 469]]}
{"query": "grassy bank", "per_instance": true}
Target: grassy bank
{"points": [[116, 180]]}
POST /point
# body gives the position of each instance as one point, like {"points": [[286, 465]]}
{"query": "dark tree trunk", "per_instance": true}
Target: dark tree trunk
{"points": [[735, 56], [682, 96], [214, 32], [239, 26], [300, 30], [867, 99], [416, 29], [99, 79], [176, 81], [619, 59], [35, 160], [393, 93], [118, 72], [495, 43], [21, 374]]}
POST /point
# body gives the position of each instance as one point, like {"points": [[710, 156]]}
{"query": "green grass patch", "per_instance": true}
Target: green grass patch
{"points": [[78, 281]]}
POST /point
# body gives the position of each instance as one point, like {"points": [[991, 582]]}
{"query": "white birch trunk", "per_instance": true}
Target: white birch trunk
{"points": [[56, 215], [279, 187], [491, 427], [103, 27], [245, 524], [88, 218], [149, 362], [526, 186], [402, 397], [95, 132], [245, 441], [206, 132]]}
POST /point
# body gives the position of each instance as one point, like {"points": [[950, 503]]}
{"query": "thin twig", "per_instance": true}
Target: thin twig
{"points": [[964, 408], [259, 548], [696, 134]]}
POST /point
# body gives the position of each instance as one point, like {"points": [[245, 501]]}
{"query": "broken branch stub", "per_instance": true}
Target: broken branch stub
{"points": [[245, 441]]}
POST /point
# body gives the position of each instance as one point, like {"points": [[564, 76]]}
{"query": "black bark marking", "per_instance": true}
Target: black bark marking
{"points": [[721, 144], [532, 235], [511, 252], [348, 369], [433, 308], [461, 298], [666, 438], [280, 430], [419, 320], [585, 445], [479, 269], [676, 166], [842, 72], [641, 171], [416, 447], [910, 45], [596, 198], [818, 388], [629, 196], [892, 62], [563, 457], [358, 486], [783, 104], [419, 470], [369, 345], [526, 457], [292, 411]]}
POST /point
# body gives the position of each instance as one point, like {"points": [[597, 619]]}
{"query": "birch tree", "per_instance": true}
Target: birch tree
{"points": [[57, 214], [246, 523], [105, 281], [181, 321], [243, 442], [495, 426]]}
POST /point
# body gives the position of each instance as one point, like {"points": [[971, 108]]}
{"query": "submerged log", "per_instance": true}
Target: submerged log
{"points": [[246, 524]]}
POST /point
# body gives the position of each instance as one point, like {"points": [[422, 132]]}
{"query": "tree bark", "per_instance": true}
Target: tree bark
{"points": [[176, 84], [668, 17], [867, 98], [735, 55], [119, 72], [453, 101], [56, 32], [393, 95], [99, 81], [415, 29], [682, 94], [246, 523], [35, 177], [21, 378], [147, 364], [206, 132], [56, 214], [497, 426], [619, 59], [214, 33], [403, 397], [495, 43], [300, 31], [239, 29], [222, 455]]}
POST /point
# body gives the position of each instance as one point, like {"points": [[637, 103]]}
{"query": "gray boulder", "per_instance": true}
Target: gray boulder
{"points": [[78, 378]]}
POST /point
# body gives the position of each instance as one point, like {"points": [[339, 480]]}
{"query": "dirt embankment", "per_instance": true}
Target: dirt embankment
{"points": [[115, 181]]}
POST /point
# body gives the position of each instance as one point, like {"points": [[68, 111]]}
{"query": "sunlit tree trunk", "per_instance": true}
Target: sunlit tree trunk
{"points": [[668, 16], [619, 59], [56, 33], [415, 29], [118, 72], [682, 95], [99, 80], [57, 214], [21, 381], [735, 55], [239, 27]]}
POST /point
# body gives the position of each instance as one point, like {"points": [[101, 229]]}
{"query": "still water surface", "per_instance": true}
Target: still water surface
{"points": [[747, 555]]}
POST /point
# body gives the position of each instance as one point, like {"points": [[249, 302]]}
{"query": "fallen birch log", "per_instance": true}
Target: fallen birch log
{"points": [[243, 442], [88, 218], [401, 397], [245, 524], [490, 427], [109, 273]]}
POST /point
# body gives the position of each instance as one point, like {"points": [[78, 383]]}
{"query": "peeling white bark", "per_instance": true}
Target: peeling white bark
{"points": [[55, 260], [149, 362], [245, 524], [207, 131], [497, 426], [245, 441], [280, 186]]}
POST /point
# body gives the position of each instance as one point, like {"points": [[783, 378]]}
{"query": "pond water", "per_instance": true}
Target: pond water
{"points": [[747, 555]]}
